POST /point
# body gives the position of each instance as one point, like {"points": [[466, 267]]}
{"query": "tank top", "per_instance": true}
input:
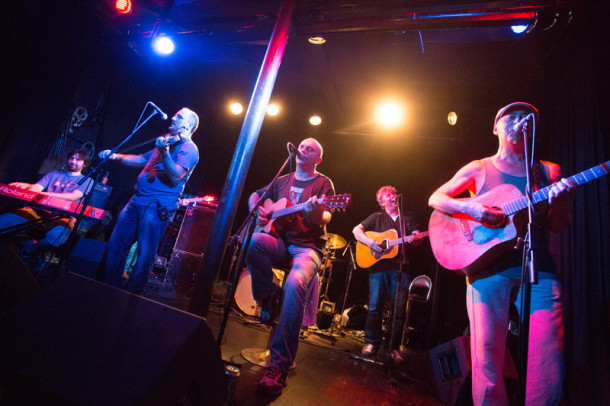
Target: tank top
{"points": [[509, 264]]}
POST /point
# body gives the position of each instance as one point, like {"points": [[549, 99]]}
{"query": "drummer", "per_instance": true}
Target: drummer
{"points": [[384, 274]]}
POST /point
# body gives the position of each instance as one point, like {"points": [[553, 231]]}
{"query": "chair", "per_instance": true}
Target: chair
{"points": [[419, 291]]}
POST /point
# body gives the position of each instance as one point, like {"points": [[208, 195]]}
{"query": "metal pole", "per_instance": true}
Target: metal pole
{"points": [[209, 268]]}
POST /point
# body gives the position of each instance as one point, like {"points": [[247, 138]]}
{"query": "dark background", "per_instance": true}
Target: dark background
{"points": [[63, 54]]}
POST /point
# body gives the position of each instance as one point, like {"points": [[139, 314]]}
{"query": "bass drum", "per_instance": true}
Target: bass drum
{"points": [[243, 294]]}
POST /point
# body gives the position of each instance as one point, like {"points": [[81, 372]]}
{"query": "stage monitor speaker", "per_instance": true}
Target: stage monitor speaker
{"points": [[16, 281], [86, 257], [450, 371], [195, 230], [82, 342]]}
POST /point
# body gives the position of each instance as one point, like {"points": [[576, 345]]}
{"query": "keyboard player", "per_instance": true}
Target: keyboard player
{"points": [[61, 184]]}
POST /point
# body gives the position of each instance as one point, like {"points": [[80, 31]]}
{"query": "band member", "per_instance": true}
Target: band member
{"points": [[61, 184], [384, 275], [302, 241], [490, 291], [167, 168]]}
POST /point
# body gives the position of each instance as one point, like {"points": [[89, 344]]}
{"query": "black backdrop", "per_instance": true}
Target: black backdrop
{"points": [[61, 55]]}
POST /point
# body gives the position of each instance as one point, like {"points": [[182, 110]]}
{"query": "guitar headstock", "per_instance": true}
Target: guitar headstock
{"points": [[337, 202]]}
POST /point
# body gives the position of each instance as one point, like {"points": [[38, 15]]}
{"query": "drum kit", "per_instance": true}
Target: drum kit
{"points": [[243, 294]]}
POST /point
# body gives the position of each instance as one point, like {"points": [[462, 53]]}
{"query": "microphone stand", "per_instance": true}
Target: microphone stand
{"points": [[399, 281], [251, 221], [529, 274], [89, 194], [351, 267]]}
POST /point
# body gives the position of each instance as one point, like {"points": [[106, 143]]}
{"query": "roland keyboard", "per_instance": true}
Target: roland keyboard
{"points": [[51, 203]]}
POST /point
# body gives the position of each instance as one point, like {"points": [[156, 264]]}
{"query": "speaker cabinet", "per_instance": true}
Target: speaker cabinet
{"points": [[16, 281], [195, 230], [450, 372], [86, 257], [82, 342]]}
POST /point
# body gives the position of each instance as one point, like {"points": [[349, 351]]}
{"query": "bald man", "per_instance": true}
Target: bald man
{"points": [[159, 187]]}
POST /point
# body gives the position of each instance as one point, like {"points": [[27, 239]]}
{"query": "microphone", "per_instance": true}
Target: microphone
{"points": [[523, 122], [293, 150], [158, 110]]}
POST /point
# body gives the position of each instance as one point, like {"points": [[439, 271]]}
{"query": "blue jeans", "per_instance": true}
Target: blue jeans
{"points": [[382, 286], [55, 235], [488, 299], [266, 250], [135, 223]]}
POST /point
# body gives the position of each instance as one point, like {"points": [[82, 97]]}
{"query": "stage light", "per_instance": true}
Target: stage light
{"points": [[452, 118], [273, 109], [518, 29], [236, 108], [123, 6], [390, 114], [317, 40], [315, 120], [163, 45]]}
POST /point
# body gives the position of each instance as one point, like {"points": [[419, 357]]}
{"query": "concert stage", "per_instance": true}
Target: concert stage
{"points": [[78, 340]]}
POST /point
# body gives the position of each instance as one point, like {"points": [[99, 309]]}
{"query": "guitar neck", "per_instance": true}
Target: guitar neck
{"points": [[408, 239], [543, 194], [288, 210]]}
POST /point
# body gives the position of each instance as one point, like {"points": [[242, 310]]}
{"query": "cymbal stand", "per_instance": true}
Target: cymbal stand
{"points": [[351, 267]]}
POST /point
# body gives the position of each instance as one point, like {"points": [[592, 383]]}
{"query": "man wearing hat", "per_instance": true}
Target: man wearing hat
{"points": [[491, 290]]}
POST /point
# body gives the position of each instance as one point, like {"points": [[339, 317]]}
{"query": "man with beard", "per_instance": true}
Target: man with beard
{"points": [[61, 184]]}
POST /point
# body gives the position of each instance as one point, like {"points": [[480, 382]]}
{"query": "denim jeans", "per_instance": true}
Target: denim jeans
{"points": [[135, 223], [488, 300], [56, 235], [265, 251], [382, 286]]}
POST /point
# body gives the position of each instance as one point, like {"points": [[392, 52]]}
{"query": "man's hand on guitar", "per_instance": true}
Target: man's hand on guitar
{"points": [[561, 192], [488, 215], [417, 238], [314, 210], [263, 217]]}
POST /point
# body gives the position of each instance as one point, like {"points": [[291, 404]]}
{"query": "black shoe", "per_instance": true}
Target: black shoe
{"points": [[271, 306], [272, 382]]}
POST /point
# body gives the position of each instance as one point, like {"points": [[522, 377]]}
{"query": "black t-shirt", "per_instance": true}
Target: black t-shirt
{"points": [[380, 222], [297, 230]]}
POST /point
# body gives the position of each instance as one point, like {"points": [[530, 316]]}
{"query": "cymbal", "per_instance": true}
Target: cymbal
{"points": [[335, 241]]}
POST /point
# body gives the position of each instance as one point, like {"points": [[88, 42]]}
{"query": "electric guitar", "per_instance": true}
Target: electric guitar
{"points": [[284, 207], [388, 240], [464, 245]]}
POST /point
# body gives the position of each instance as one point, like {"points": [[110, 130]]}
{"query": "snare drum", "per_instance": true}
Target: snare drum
{"points": [[243, 294]]}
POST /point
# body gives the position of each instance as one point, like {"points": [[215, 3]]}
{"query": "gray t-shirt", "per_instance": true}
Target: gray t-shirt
{"points": [[63, 182], [154, 184]]}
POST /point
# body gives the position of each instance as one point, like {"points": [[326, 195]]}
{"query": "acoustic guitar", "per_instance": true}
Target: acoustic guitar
{"points": [[464, 245], [388, 240], [284, 207]]}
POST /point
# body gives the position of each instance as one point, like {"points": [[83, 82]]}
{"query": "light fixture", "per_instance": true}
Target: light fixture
{"points": [[273, 109], [163, 45], [236, 108], [123, 6], [315, 120], [452, 118], [518, 29], [390, 114], [317, 40]]}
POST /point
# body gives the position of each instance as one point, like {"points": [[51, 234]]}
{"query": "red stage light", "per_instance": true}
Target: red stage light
{"points": [[123, 6]]}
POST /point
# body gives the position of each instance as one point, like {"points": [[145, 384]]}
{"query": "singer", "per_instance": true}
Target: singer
{"points": [[489, 292], [384, 275], [144, 219], [302, 241]]}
